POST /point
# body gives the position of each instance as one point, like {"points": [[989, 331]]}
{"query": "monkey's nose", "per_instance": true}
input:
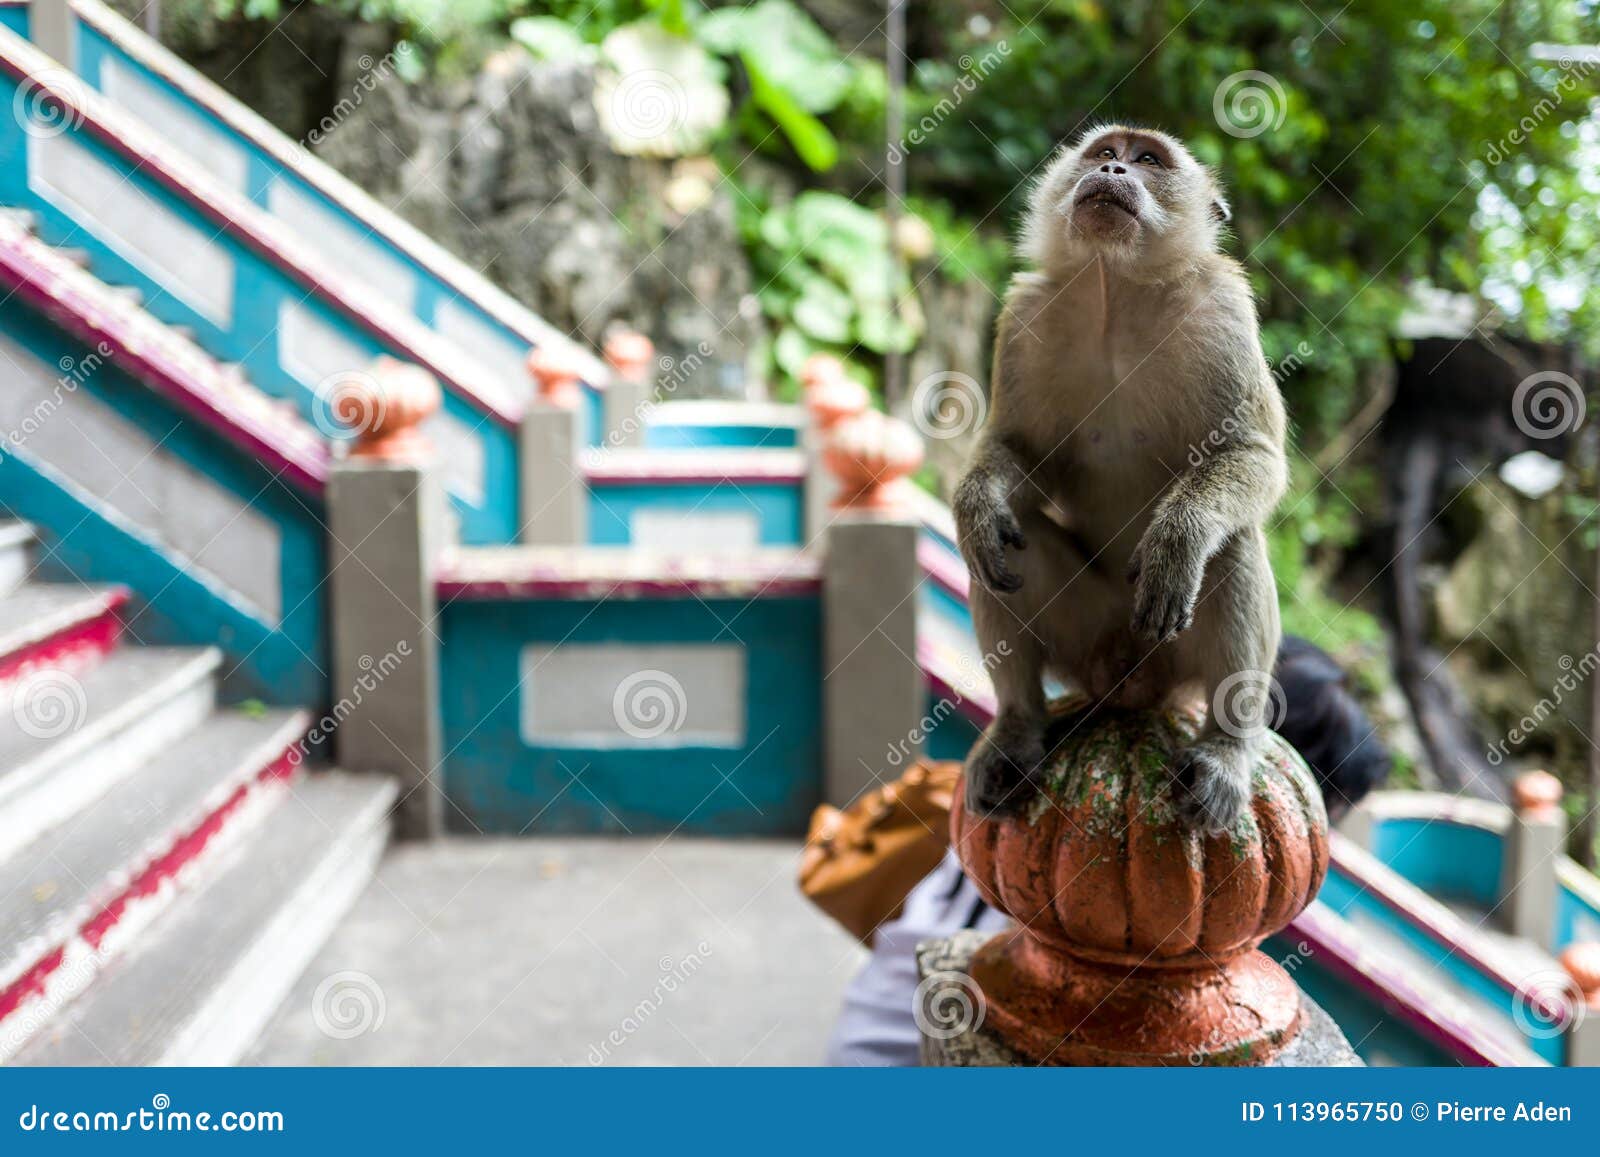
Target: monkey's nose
{"points": [[1116, 169]]}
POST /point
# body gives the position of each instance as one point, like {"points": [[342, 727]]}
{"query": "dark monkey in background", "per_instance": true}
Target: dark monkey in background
{"points": [[1112, 513]]}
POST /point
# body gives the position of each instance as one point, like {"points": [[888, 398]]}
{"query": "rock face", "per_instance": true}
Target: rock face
{"points": [[1515, 607], [513, 172]]}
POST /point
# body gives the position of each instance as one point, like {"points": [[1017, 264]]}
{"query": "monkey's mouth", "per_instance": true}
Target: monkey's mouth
{"points": [[1108, 198]]}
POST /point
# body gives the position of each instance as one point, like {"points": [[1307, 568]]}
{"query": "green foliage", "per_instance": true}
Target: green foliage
{"points": [[827, 283]]}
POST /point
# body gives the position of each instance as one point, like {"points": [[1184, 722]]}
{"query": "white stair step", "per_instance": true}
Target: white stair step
{"points": [[68, 738], [131, 294], [208, 977], [15, 539], [77, 896], [33, 612]]}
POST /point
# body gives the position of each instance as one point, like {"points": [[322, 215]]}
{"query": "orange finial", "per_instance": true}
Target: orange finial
{"points": [[1536, 795], [1582, 963], [820, 368], [871, 454], [555, 373], [630, 354], [833, 400], [384, 407]]}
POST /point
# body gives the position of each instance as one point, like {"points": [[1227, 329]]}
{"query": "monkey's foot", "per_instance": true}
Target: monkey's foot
{"points": [[1000, 773], [1211, 787]]}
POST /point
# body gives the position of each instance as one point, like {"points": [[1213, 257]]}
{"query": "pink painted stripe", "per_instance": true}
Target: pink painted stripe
{"points": [[399, 331], [518, 573], [1456, 936], [160, 872], [695, 467], [163, 360], [944, 568], [77, 644], [1334, 945]]}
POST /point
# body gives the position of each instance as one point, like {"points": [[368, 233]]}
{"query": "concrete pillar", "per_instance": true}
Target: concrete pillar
{"points": [[1582, 963], [555, 494], [386, 527], [1357, 826], [53, 28], [874, 694], [1534, 844], [632, 358]]}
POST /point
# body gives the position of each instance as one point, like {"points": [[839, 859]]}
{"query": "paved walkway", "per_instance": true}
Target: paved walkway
{"points": [[572, 952]]}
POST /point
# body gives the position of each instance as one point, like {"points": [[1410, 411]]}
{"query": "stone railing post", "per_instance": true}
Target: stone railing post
{"points": [[386, 525], [1582, 963], [1531, 858], [873, 693], [53, 28], [555, 495], [1137, 940], [632, 358], [830, 398]]}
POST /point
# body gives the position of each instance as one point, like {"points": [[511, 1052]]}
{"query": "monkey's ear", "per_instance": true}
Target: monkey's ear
{"points": [[1220, 212]]}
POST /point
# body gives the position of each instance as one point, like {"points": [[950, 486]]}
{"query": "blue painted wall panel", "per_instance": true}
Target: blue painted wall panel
{"points": [[1451, 861], [497, 783], [279, 663]]}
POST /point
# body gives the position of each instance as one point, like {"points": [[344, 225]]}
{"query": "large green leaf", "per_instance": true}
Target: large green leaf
{"points": [[810, 137]]}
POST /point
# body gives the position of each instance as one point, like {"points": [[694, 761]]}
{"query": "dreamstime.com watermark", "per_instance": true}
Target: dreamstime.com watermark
{"points": [[373, 73], [373, 673], [1574, 74], [907, 748], [74, 372], [1575, 672], [973, 73], [159, 1117], [671, 374], [674, 974]]}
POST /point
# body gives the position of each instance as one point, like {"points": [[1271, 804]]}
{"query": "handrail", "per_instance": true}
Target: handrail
{"points": [[165, 361], [254, 227], [537, 572], [469, 283]]}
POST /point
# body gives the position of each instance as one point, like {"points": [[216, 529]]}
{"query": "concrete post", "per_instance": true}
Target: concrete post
{"points": [[631, 389], [874, 694], [53, 28], [385, 527], [555, 493], [1582, 964], [1533, 848]]}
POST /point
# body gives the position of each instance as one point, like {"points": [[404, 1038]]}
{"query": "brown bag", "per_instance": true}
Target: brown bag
{"points": [[859, 864]]}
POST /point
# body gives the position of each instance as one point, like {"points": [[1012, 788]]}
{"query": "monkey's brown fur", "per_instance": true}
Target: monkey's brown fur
{"points": [[1112, 512]]}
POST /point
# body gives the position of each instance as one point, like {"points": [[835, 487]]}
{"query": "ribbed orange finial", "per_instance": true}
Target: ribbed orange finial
{"points": [[630, 354], [871, 454], [1582, 963], [1536, 795], [833, 400], [384, 408], [555, 374]]}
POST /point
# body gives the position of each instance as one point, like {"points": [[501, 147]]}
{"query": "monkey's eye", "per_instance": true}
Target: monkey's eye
{"points": [[1112, 153], [1149, 159]]}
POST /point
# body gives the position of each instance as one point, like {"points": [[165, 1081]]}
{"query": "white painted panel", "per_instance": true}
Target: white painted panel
{"points": [[313, 350], [459, 453], [668, 529], [499, 355], [348, 249], [198, 140], [138, 483], [186, 260], [610, 695]]}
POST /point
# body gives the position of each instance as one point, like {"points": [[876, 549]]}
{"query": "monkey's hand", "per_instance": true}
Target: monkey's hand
{"points": [[1166, 570], [985, 526]]}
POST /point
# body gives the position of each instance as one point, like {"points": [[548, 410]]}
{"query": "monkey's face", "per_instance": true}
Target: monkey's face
{"points": [[1130, 194]]}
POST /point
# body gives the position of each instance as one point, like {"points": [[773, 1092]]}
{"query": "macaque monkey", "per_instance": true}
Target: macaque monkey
{"points": [[1112, 513]]}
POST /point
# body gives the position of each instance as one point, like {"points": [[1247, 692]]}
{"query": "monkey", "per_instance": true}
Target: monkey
{"points": [[1113, 509]]}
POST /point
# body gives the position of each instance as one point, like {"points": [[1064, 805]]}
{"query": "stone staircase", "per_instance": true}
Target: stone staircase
{"points": [[167, 866]]}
